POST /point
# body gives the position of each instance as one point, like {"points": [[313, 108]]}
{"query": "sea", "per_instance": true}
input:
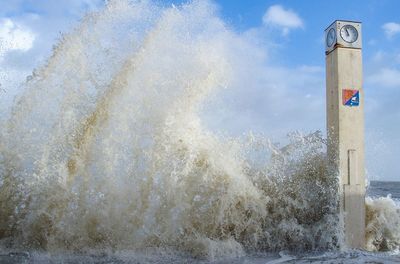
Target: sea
{"points": [[106, 156], [384, 189]]}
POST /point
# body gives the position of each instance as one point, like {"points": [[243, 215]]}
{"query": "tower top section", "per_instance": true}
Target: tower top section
{"points": [[343, 34]]}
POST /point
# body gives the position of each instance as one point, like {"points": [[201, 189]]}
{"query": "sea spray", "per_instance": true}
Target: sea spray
{"points": [[383, 224], [105, 148]]}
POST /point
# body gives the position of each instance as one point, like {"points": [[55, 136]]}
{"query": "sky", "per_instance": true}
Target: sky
{"points": [[291, 34]]}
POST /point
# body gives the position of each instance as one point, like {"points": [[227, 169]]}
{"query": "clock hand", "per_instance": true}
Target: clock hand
{"points": [[347, 31]]}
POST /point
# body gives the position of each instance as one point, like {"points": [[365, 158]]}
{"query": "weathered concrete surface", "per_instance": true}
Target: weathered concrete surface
{"points": [[345, 129]]}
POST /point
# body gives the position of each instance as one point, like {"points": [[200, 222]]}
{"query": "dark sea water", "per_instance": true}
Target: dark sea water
{"points": [[383, 189]]}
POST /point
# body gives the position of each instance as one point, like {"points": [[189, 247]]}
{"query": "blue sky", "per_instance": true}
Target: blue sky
{"points": [[291, 34]]}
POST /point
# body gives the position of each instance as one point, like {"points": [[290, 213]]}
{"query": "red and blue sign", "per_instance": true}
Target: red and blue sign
{"points": [[351, 97]]}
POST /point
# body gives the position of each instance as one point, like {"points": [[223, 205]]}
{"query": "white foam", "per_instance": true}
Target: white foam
{"points": [[383, 224]]}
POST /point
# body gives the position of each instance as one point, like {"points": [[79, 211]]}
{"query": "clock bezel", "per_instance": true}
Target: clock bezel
{"points": [[349, 26], [334, 37]]}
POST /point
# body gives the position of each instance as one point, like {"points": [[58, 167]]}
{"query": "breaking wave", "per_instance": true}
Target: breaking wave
{"points": [[383, 224], [105, 148]]}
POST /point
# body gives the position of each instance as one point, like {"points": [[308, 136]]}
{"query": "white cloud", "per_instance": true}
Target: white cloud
{"points": [[379, 56], [386, 77], [285, 19], [32, 34], [391, 29], [311, 69], [384, 59], [264, 99], [14, 37]]}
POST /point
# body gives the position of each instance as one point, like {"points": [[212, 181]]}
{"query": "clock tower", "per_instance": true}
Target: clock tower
{"points": [[345, 124]]}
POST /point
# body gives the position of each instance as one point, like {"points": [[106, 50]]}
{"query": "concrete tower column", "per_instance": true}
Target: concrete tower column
{"points": [[345, 124]]}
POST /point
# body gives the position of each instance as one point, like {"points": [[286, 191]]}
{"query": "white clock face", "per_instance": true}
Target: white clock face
{"points": [[349, 33], [331, 37]]}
